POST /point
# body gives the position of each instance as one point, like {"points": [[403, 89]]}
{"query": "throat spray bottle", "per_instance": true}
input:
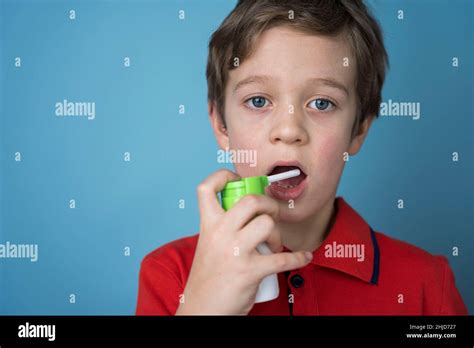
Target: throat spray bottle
{"points": [[268, 289]]}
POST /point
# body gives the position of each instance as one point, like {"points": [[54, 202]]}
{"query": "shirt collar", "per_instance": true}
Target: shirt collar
{"points": [[350, 247]]}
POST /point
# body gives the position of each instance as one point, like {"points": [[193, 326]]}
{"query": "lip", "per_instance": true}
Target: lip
{"points": [[284, 194], [286, 164]]}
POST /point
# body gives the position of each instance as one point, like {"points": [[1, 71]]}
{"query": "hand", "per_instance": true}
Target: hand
{"points": [[227, 268]]}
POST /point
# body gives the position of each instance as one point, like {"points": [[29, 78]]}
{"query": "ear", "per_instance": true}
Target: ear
{"points": [[220, 131], [358, 139]]}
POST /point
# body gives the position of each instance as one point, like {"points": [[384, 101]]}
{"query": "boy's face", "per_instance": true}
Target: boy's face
{"points": [[293, 100]]}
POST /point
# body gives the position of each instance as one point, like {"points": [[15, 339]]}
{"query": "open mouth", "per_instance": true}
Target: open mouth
{"points": [[290, 188]]}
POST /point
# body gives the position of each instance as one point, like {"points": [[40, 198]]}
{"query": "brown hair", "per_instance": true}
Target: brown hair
{"points": [[239, 31]]}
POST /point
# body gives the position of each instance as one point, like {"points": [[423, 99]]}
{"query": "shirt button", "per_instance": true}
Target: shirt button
{"points": [[297, 281]]}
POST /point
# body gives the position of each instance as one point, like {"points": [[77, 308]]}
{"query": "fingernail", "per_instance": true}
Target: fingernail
{"points": [[309, 256]]}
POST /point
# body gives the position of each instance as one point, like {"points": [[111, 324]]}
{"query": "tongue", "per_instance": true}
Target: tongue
{"points": [[292, 181]]}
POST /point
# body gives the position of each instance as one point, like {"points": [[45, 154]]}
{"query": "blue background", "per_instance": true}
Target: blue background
{"points": [[135, 204]]}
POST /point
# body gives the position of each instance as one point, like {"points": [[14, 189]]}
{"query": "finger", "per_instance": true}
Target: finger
{"points": [[208, 189], [283, 262], [261, 229], [248, 207]]}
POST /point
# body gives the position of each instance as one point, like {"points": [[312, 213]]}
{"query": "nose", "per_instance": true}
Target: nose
{"points": [[289, 128]]}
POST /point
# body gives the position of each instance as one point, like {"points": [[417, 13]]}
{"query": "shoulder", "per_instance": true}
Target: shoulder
{"points": [[178, 247], [415, 260], [163, 275], [417, 270], [174, 257]]}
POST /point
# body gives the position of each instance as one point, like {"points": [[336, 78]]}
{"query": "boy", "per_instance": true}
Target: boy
{"points": [[300, 83]]}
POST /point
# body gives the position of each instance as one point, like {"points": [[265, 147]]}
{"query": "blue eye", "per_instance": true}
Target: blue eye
{"points": [[257, 102], [322, 104]]}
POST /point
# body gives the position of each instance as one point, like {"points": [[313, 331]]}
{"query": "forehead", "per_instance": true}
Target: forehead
{"points": [[292, 57]]}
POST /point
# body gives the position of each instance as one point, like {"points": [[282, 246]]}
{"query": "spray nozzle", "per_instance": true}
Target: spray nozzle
{"points": [[282, 176]]}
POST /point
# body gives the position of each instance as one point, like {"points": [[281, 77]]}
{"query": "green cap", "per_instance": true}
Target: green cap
{"points": [[235, 190]]}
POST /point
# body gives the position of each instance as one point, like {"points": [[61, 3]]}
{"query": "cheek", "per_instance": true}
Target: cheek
{"points": [[331, 146], [329, 158], [238, 131], [250, 146], [241, 139]]}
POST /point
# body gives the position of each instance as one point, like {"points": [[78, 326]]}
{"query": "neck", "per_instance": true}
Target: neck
{"points": [[309, 234]]}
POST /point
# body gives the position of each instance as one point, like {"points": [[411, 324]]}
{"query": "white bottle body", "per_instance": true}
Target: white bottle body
{"points": [[268, 289]]}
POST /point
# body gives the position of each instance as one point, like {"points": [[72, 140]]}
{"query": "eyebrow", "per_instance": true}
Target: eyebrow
{"points": [[252, 79], [315, 80], [330, 83]]}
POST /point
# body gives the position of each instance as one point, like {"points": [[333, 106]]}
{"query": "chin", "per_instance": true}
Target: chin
{"points": [[292, 215]]}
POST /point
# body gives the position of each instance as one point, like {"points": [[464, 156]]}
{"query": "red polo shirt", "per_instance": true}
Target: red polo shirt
{"points": [[356, 271]]}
